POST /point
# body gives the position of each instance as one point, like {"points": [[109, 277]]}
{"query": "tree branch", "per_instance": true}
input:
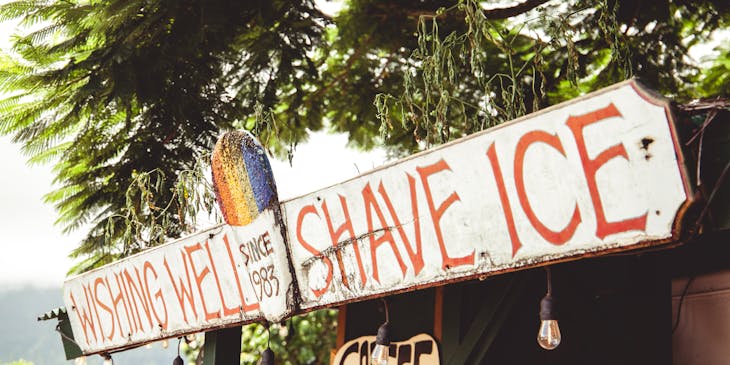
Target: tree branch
{"points": [[491, 14], [504, 13], [346, 70]]}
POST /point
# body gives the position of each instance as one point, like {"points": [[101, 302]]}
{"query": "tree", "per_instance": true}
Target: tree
{"points": [[19, 362], [125, 96], [110, 89]]}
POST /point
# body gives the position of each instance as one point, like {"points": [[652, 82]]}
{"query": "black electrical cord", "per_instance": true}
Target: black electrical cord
{"points": [[385, 306], [681, 300]]}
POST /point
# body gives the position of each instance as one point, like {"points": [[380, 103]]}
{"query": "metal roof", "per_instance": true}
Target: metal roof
{"points": [[53, 313]]}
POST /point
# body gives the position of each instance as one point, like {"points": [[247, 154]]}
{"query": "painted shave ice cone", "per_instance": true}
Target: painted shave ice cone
{"points": [[244, 183]]}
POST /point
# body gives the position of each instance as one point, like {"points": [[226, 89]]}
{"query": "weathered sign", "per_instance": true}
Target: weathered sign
{"points": [[421, 349], [600, 173], [225, 275]]}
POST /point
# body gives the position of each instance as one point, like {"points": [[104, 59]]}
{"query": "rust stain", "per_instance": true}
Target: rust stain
{"points": [[644, 145]]}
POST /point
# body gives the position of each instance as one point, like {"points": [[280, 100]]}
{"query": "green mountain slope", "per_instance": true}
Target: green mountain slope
{"points": [[22, 337]]}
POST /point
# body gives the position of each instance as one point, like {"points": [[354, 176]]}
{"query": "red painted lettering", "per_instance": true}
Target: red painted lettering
{"points": [[119, 298], [346, 226], [199, 276], [267, 243], [591, 167], [140, 293], [310, 209], [226, 310], [437, 213], [370, 205], [554, 237], [182, 292], [146, 268], [129, 285], [84, 316], [506, 208], [245, 307], [417, 255], [242, 250], [130, 310], [97, 282]]}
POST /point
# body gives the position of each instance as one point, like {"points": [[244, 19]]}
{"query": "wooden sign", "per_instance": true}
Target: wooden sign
{"points": [[226, 275], [601, 173], [421, 349]]}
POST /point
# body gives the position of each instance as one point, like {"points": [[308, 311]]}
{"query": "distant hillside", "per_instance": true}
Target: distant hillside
{"points": [[22, 337]]}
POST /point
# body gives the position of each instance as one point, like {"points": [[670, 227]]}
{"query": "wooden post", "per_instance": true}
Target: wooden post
{"points": [[222, 347]]}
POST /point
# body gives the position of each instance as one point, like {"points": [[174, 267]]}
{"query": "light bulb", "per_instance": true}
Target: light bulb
{"points": [[380, 355], [80, 360], [165, 344], [108, 361], [382, 345], [549, 334]]}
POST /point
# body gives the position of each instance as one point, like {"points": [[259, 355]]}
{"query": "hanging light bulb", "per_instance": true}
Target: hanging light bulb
{"points": [[267, 357], [80, 360], [382, 341], [382, 345], [165, 344], [548, 336], [178, 360]]}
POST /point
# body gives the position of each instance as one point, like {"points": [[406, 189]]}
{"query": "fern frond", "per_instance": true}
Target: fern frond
{"points": [[17, 9]]}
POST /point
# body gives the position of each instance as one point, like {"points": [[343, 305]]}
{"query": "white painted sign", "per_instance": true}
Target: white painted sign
{"points": [[222, 276], [600, 173], [421, 349]]}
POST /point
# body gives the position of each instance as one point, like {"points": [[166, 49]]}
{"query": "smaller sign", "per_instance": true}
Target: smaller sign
{"points": [[227, 275], [421, 349]]}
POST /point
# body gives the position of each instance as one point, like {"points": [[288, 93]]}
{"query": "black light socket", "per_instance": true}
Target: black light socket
{"points": [[267, 357], [548, 308], [383, 337]]}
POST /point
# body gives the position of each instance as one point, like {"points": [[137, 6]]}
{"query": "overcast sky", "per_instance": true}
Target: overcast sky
{"points": [[35, 251]]}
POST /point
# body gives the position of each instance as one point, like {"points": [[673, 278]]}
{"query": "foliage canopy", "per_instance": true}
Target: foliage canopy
{"points": [[125, 97], [110, 90]]}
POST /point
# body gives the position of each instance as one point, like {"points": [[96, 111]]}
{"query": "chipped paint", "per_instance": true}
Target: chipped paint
{"points": [[580, 179], [194, 284], [235, 273], [598, 175]]}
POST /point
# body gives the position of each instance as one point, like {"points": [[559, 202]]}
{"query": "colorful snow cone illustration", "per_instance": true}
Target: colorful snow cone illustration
{"points": [[244, 183]]}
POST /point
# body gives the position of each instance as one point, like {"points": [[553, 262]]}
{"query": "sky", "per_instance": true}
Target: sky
{"points": [[35, 251]]}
